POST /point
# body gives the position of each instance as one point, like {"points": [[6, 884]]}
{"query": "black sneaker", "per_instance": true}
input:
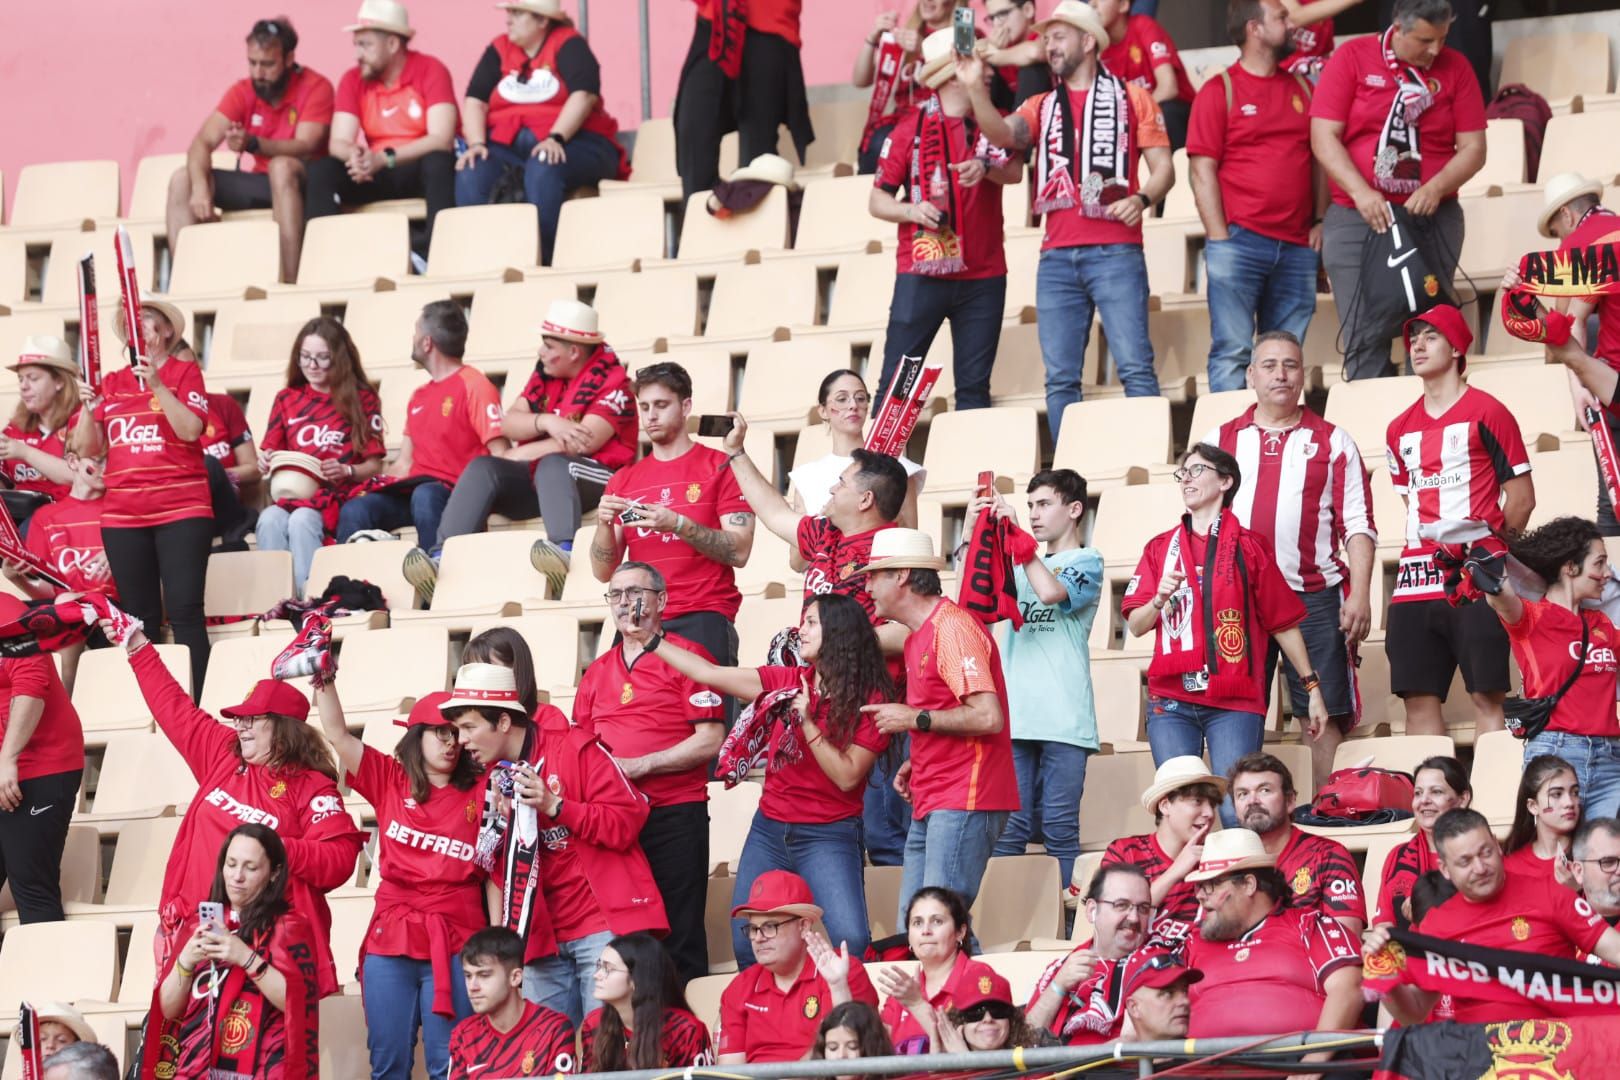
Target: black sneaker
{"points": [[422, 571], [552, 563]]}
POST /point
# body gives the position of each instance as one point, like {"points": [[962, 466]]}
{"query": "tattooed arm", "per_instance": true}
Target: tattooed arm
{"points": [[728, 545]]}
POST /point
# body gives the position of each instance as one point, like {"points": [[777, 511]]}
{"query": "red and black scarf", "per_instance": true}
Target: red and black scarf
{"points": [[1205, 625], [1097, 173], [989, 590], [587, 387], [1478, 973], [938, 252], [511, 833], [888, 66], [726, 36], [1398, 160]]}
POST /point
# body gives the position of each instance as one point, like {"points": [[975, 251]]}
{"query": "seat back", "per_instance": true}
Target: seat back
{"points": [[755, 300], [862, 291], [352, 249], [1365, 407], [731, 812], [1558, 66], [1114, 434], [379, 562], [1498, 763], [1210, 411], [652, 161], [1564, 483], [247, 582], [475, 240], [105, 693], [553, 640], [960, 444], [235, 665], [780, 380], [1110, 806], [636, 309], [833, 215], [225, 257], [483, 569], [140, 860], [381, 667], [61, 285], [505, 319], [1398, 752], [381, 325], [64, 193], [278, 311], [140, 770], [59, 961], [1020, 898], [605, 232], [706, 237]]}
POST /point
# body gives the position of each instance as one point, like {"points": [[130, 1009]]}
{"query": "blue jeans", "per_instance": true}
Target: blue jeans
{"points": [[591, 158], [299, 531], [1596, 761], [398, 999], [1256, 284], [921, 305], [566, 982], [423, 507], [886, 817], [1177, 728], [1051, 778], [949, 848], [1071, 284], [828, 857]]}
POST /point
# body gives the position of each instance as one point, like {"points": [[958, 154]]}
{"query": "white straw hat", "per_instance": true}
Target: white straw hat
{"points": [[1560, 190], [546, 9], [47, 351], [484, 686], [1175, 774], [1080, 15], [1231, 850], [938, 63], [294, 475], [68, 1017], [389, 16], [570, 320], [901, 549], [176, 317], [771, 168]]}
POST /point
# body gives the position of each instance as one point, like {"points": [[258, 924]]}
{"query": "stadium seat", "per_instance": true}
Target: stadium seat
{"points": [[731, 814], [761, 301], [376, 670], [343, 1035], [839, 125], [503, 325], [582, 593], [652, 161], [1111, 805], [1210, 411], [13, 271], [256, 351], [634, 310], [381, 325], [350, 917], [706, 238], [1181, 341], [353, 253], [60, 287], [1085, 868], [394, 388], [80, 876], [1022, 970], [1558, 66], [1128, 517], [1398, 752], [232, 315], [1539, 398], [482, 243], [553, 639], [1365, 408], [610, 234], [225, 260], [58, 962], [780, 380], [1579, 142], [1121, 715], [135, 882], [1023, 261], [834, 217], [1498, 761], [1500, 229], [1020, 899], [378, 562], [1115, 441], [141, 776], [1165, 249], [235, 665], [481, 575], [858, 300], [64, 193], [703, 996], [1565, 483], [1504, 156], [758, 621], [107, 698], [245, 583], [1372, 874], [1179, 204], [962, 444], [717, 925]]}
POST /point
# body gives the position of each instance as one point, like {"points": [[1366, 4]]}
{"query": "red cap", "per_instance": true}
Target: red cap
{"points": [[426, 711], [271, 697], [779, 891], [987, 987], [1452, 326], [1156, 968]]}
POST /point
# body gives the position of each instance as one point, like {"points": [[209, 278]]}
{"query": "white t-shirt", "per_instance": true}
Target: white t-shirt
{"points": [[814, 480]]}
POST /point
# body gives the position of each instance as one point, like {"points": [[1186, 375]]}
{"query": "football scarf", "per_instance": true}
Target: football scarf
{"points": [[1098, 174], [989, 590], [26, 1041], [1578, 273], [726, 35], [1205, 626], [28, 628], [887, 66], [901, 405], [511, 833], [1478, 973], [746, 747], [587, 388], [937, 252], [1398, 160]]}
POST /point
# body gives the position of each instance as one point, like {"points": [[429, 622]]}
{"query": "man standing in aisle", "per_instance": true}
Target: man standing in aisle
{"points": [[1305, 489], [1088, 190], [1258, 192], [960, 776]]}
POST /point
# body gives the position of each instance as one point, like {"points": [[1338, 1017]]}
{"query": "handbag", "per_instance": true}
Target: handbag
{"points": [[1528, 717], [1352, 796]]}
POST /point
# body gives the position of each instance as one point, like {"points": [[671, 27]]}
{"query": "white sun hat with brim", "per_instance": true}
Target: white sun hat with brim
{"points": [[294, 475], [938, 63], [388, 16], [546, 9], [1080, 15], [1177, 773], [1562, 189], [46, 351], [485, 686], [1231, 850], [68, 1017], [570, 320], [903, 549], [769, 169], [176, 318]]}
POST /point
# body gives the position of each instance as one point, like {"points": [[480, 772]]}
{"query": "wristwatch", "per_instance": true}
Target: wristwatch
{"points": [[925, 720], [389, 157], [251, 144], [1147, 203], [557, 813]]}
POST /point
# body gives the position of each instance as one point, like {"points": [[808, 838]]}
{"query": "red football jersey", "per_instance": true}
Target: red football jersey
{"points": [[1261, 146], [225, 429], [685, 1041], [799, 790], [1271, 978], [1402, 868], [391, 116], [1545, 642], [306, 420], [23, 476], [450, 422], [1146, 45], [1600, 225], [1093, 1011], [766, 1023], [542, 1042], [66, 536], [835, 563], [978, 221], [967, 976], [307, 100], [1322, 876], [1180, 912], [57, 745], [153, 476]]}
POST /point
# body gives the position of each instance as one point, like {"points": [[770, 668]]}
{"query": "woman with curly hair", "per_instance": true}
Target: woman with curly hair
{"points": [[820, 751], [1568, 554], [330, 411]]}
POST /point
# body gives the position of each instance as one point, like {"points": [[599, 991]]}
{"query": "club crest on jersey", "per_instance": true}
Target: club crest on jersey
{"points": [[554, 784], [1521, 928], [1229, 637], [528, 1063], [694, 492], [1299, 106], [627, 694], [445, 406], [812, 1007], [1136, 54], [1307, 450], [278, 789], [471, 812], [1431, 285], [1302, 880], [1241, 955]]}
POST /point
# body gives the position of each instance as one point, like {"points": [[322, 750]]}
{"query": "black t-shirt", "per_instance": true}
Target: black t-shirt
{"points": [[576, 67]]}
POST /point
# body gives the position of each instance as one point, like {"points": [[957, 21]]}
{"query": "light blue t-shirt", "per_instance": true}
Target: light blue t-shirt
{"points": [[1047, 663]]}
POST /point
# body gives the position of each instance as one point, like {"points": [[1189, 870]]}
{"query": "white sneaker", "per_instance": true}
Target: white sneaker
{"points": [[552, 562], [365, 536]]}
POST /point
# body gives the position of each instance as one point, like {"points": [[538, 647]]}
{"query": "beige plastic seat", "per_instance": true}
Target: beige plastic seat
{"points": [[1498, 762], [1210, 411], [1114, 441], [14, 329], [378, 562], [380, 668], [381, 325], [703, 995], [234, 315], [13, 271], [353, 252], [61, 285], [711, 239], [64, 193], [246, 583], [839, 125], [149, 197], [1538, 396], [834, 216], [395, 387], [641, 309], [1085, 868], [582, 593], [258, 352], [504, 323], [780, 379], [1179, 204], [1504, 156], [861, 293], [1110, 806], [142, 776], [961, 444], [58, 962], [481, 575], [1128, 517], [1022, 970], [236, 664], [1500, 229], [107, 697], [1558, 66], [758, 620], [1015, 206], [1181, 340], [731, 812], [553, 640], [1121, 713], [610, 233], [1020, 899], [1398, 752], [653, 159], [223, 260], [761, 301], [1565, 482], [480, 243], [1579, 142], [343, 1036], [1165, 248], [882, 888], [1365, 408], [1023, 262], [135, 883], [80, 876], [717, 925]]}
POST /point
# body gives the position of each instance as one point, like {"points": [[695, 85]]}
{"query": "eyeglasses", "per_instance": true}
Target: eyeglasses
{"points": [[1125, 907], [1212, 886], [613, 596], [605, 968], [1190, 472], [1609, 864], [242, 723], [993, 1010], [311, 360], [994, 17], [764, 931]]}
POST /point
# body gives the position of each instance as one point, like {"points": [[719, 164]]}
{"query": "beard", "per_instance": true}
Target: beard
{"points": [[1217, 928], [1286, 49], [270, 92], [1062, 69], [1260, 820]]}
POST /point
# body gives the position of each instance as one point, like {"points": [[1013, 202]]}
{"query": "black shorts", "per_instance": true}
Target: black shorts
{"points": [[1428, 640], [1330, 657], [237, 190]]}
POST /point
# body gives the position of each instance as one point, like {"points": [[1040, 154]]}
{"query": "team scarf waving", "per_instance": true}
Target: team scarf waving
{"points": [[1523, 1049], [989, 590], [1189, 638], [937, 252], [1585, 273], [1477, 973], [1097, 175], [746, 747], [28, 628], [888, 67], [1398, 161]]}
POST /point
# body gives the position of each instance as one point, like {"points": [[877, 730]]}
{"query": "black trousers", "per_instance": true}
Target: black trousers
{"points": [[31, 841], [768, 92], [676, 840], [232, 520], [163, 568], [328, 187]]}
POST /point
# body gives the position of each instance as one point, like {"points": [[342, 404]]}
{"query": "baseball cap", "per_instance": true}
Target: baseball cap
{"points": [[1156, 968], [426, 711], [1452, 326], [990, 986], [271, 697]]}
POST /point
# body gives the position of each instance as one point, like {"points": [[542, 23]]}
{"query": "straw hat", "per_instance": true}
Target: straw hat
{"points": [[769, 168], [480, 686], [546, 9], [778, 892], [1230, 850], [294, 475], [1175, 774], [938, 64], [570, 320], [46, 351], [1560, 190], [901, 549], [174, 315], [389, 16], [1081, 16], [68, 1017]]}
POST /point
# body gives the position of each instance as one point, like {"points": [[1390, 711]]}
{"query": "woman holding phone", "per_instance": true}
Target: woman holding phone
{"points": [[844, 404]]}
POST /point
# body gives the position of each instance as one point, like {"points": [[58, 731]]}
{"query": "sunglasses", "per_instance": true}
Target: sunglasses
{"points": [[993, 1010]]}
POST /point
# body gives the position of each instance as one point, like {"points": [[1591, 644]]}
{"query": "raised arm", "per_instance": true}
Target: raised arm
{"points": [[199, 738], [768, 503], [1309, 14], [349, 748], [1009, 132], [740, 682]]}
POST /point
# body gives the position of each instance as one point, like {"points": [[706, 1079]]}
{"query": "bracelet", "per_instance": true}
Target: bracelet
{"points": [[185, 972], [350, 473], [1310, 681]]}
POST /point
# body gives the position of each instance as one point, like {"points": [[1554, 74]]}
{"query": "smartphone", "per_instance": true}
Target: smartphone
{"points": [[511, 766], [629, 515], [963, 24], [211, 913], [713, 426], [987, 479]]}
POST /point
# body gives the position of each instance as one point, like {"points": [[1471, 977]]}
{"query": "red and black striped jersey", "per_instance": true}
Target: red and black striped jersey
{"points": [[1322, 876], [305, 420], [685, 1040], [1180, 911], [541, 1043]]}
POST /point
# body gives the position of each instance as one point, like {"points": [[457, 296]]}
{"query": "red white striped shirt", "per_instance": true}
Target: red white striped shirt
{"points": [[1304, 489], [1450, 468]]}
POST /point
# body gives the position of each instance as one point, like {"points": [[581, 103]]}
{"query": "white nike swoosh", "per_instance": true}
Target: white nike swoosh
{"points": [[474, 1068], [35, 811], [1394, 262], [390, 112], [416, 410]]}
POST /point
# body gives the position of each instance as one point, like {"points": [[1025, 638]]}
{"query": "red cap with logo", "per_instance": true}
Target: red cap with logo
{"points": [[989, 986], [779, 891], [271, 697], [1452, 326], [1156, 968], [426, 712]]}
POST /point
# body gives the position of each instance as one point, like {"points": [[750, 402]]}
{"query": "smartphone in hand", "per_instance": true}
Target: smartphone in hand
{"points": [[962, 26], [715, 426]]}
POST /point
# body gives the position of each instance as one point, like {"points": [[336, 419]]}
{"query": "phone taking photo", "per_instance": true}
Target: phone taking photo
{"points": [[715, 426], [211, 913], [987, 484], [962, 24], [631, 514]]}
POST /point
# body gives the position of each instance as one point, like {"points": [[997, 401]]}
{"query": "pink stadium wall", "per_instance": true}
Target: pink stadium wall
{"points": [[98, 79]]}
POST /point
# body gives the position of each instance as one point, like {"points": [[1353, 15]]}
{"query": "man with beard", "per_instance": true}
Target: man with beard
{"points": [[1257, 190], [274, 121], [1080, 998], [1595, 854], [402, 104], [1267, 967], [1321, 873]]}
